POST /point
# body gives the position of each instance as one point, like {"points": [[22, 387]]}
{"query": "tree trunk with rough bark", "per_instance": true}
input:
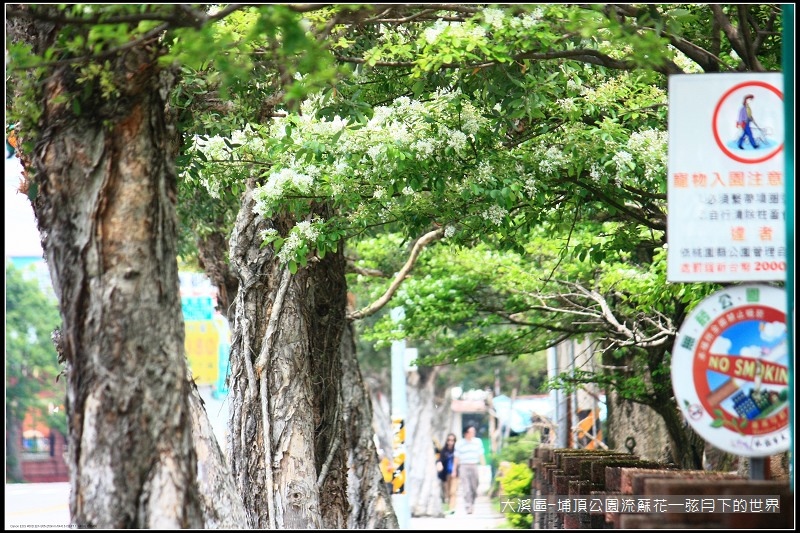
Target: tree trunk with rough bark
{"points": [[286, 427], [686, 445], [423, 485], [105, 207], [212, 253], [221, 503], [13, 451], [370, 499]]}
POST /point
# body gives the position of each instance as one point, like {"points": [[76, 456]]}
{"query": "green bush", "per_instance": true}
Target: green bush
{"points": [[518, 449], [515, 482]]}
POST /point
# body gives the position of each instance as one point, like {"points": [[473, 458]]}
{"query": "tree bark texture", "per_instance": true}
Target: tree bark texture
{"points": [[423, 485], [658, 434], [106, 212], [369, 497], [687, 446], [381, 413], [287, 450], [212, 253], [222, 504], [13, 448]]}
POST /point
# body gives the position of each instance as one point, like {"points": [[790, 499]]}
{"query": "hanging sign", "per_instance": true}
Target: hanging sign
{"points": [[730, 370]]}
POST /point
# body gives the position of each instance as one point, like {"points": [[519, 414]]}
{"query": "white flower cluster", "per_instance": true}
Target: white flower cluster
{"points": [[449, 231], [268, 233], [567, 104], [360, 155], [214, 149], [529, 20], [650, 147], [424, 148], [573, 85], [485, 173], [530, 187], [276, 185], [494, 17], [552, 161], [303, 232], [495, 214], [432, 34], [376, 152], [454, 30], [289, 249], [456, 139], [309, 229], [399, 132], [622, 158]]}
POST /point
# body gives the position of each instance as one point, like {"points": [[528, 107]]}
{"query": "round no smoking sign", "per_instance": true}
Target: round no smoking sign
{"points": [[730, 370]]}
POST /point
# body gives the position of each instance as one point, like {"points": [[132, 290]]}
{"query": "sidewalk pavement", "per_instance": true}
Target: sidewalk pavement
{"points": [[483, 517]]}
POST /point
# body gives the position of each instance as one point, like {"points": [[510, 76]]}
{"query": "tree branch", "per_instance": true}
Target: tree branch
{"points": [[412, 259]]}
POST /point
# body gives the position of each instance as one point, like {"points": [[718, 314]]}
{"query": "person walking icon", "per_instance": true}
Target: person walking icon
{"points": [[744, 121]]}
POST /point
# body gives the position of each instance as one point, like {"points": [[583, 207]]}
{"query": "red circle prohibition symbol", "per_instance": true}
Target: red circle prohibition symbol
{"points": [[716, 114], [776, 421]]}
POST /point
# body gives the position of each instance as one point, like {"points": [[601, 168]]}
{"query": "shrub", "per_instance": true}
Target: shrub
{"points": [[518, 449], [515, 482]]}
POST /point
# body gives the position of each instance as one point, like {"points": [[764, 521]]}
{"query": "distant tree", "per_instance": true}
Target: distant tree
{"points": [[32, 366]]}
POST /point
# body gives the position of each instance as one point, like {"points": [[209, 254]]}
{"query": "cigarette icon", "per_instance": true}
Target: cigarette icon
{"points": [[725, 390]]}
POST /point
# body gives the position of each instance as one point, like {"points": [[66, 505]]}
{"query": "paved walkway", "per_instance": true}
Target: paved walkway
{"points": [[483, 517]]}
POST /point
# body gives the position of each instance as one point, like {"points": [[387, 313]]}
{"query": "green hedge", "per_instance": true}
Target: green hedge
{"points": [[515, 483]]}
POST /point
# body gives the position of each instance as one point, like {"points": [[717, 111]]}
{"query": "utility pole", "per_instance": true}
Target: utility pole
{"points": [[400, 502], [558, 399]]}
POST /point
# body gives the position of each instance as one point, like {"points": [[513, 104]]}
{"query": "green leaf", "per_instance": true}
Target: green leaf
{"points": [[33, 188]]}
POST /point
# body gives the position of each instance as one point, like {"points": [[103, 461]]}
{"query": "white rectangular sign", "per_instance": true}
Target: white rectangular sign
{"points": [[726, 215]]}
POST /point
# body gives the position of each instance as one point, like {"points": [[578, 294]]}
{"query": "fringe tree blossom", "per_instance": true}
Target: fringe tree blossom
{"points": [[494, 17], [464, 32], [380, 193], [268, 234], [567, 104], [552, 161], [650, 147], [624, 162], [288, 251], [495, 214], [276, 185]]}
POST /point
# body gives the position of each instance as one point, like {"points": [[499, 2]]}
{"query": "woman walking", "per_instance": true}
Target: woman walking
{"points": [[446, 473]]}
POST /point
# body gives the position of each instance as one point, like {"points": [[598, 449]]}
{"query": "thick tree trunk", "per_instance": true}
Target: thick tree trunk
{"points": [[687, 446], [105, 207], [369, 501], [212, 252], [381, 413], [13, 452], [286, 427], [423, 485], [369, 496], [221, 503]]}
